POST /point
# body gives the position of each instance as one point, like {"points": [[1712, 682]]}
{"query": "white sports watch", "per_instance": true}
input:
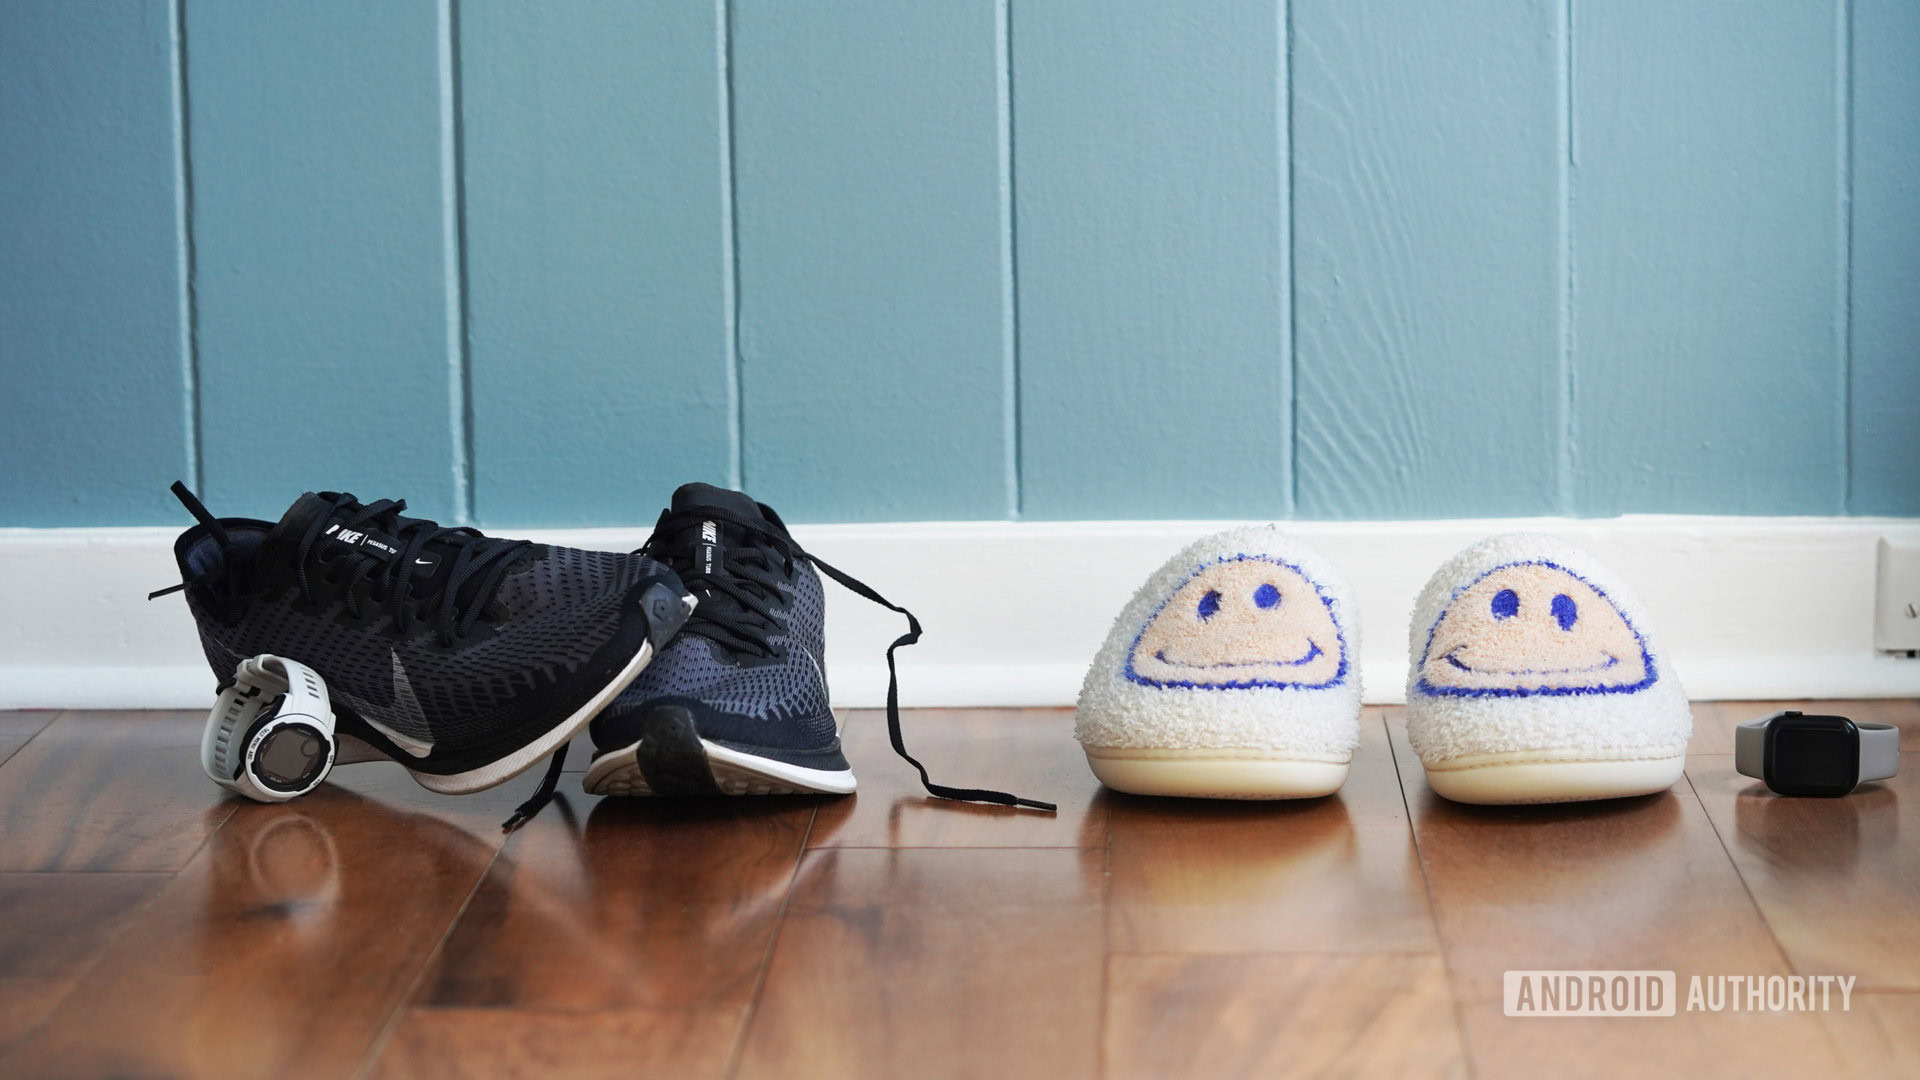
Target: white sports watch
{"points": [[270, 735]]}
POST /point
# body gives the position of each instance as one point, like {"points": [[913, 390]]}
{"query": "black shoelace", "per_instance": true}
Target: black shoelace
{"points": [[744, 575], [476, 556]]}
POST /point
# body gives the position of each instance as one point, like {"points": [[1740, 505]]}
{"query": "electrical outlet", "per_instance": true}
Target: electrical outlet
{"points": [[1896, 620]]}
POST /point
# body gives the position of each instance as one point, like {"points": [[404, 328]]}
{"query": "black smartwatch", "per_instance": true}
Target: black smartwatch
{"points": [[1803, 754]]}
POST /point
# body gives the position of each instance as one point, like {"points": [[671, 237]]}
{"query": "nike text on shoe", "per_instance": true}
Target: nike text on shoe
{"points": [[464, 657], [737, 704]]}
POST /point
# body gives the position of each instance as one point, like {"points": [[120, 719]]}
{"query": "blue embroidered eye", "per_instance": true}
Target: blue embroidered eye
{"points": [[1565, 611], [1506, 604], [1266, 596], [1209, 604]]}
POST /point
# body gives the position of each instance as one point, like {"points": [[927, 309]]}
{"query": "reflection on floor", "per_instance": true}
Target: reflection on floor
{"points": [[155, 927]]}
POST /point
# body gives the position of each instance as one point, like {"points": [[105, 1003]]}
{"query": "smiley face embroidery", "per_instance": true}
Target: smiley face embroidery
{"points": [[1244, 621], [1533, 628]]}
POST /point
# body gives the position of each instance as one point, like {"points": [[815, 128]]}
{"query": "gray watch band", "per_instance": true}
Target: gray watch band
{"points": [[1750, 748], [1879, 749]]}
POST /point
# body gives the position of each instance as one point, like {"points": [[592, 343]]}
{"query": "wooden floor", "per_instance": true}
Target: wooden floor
{"points": [[151, 927]]}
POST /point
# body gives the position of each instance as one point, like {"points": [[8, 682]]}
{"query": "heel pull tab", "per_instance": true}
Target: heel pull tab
{"points": [[199, 511]]}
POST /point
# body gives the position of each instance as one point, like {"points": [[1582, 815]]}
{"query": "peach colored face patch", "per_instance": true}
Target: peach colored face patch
{"points": [[1241, 622], [1533, 628]]}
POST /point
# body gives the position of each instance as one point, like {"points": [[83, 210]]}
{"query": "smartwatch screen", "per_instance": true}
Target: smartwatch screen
{"points": [[1812, 755]]}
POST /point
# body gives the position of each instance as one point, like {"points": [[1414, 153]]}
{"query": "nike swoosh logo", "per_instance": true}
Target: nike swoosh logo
{"points": [[817, 669], [405, 711]]}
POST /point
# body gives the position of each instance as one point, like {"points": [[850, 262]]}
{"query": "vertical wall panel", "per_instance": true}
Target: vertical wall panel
{"points": [[598, 321], [1427, 238], [322, 249], [1706, 261], [1886, 257], [1150, 179], [93, 421], [872, 256]]}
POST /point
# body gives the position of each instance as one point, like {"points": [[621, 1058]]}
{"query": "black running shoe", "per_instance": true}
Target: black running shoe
{"points": [[464, 657], [737, 704]]}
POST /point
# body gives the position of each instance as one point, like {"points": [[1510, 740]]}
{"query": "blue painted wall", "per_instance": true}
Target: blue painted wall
{"points": [[1035, 258]]}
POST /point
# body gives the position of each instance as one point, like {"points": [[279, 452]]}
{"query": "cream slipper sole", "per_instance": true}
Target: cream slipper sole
{"points": [[1215, 774], [1528, 776]]}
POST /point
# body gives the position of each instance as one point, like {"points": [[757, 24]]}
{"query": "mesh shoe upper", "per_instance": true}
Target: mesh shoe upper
{"points": [[748, 667], [540, 630], [769, 692]]}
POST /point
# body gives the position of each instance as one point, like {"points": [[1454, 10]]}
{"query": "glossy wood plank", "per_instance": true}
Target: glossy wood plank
{"points": [[646, 923], [874, 306], [538, 1044], [325, 251], [18, 728], [1427, 236], [108, 791], [1323, 875], [1837, 879], [595, 196], [1030, 752], [1386, 1015], [1633, 884], [1708, 355], [1724, 1046], [1151, 205], [55, 926], [287, 943], [1879, 1035], [1883, 257], [95, 412], [934, 963]]}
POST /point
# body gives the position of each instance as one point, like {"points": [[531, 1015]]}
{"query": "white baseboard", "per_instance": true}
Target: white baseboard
{"points": [[1751, 608]]}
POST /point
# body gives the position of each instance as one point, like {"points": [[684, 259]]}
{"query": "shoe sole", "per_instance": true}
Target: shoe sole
{"points": [[1215, 774], [499, 772], [671, 759], [1523, 776]]}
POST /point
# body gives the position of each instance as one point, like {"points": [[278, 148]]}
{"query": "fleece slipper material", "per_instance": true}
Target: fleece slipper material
{"points": [[1526, 652], [1241, 648]]}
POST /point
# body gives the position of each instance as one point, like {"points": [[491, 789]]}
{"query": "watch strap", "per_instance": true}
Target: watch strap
{"points": [[1879, 751], [1750, 748]]}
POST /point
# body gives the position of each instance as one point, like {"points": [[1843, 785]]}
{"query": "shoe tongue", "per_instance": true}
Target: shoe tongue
{"points": [[695, 497], [293, 524], [716, 535], [431, 566]]}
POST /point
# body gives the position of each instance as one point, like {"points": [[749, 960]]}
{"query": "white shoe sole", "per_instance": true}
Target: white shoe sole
{"points": [[618, 773], [1527, 776], [499, 772], [1215, 774]]}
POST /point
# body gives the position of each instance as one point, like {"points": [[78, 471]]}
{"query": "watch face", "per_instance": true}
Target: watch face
{"points": [[1812, 755], [291, 758]]}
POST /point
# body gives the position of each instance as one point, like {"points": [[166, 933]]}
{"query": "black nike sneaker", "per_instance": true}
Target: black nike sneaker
{"points": [[737, 704], [464, 657]]}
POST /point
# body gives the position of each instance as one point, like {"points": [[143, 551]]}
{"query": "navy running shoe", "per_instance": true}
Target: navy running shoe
{"points": [[464, 657], [738, 704]]}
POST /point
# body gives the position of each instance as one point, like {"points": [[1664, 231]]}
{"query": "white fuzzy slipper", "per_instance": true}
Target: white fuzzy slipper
{"points": [[1535, 678], [1232, 674]]}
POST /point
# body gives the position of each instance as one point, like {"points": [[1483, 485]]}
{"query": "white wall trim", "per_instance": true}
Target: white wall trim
{"points": [[1750, 607]]}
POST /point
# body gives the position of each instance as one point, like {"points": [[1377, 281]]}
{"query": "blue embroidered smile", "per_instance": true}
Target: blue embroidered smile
{"points": [[1313, 652], [1453, 659]]}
